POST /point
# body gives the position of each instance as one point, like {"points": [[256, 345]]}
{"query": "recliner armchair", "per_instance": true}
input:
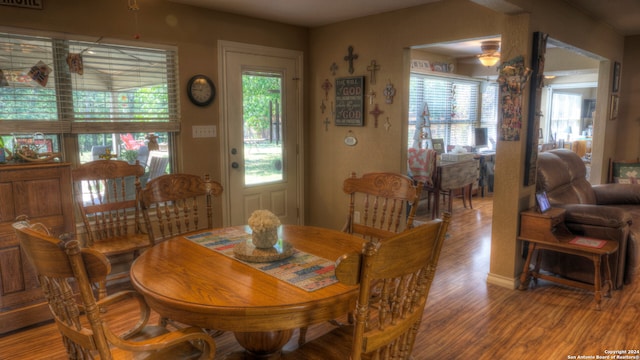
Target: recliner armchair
{"points": [[607, 211]]}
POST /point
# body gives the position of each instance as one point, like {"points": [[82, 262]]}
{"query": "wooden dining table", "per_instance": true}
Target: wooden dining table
{"points": [[195, 285]]}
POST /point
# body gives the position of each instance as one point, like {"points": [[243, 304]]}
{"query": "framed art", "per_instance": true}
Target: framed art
{"points": [[438, 145], [350, 101], [614, 107], [543, 202], [616, 77]]}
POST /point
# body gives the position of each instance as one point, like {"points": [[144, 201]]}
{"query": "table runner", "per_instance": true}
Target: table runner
{"points": [[306, 271]]}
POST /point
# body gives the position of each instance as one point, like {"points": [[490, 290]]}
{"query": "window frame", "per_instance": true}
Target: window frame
{"points": [[65, 125]]}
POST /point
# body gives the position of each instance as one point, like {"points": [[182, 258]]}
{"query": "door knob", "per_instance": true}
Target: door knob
{"points": [[235, 165]]}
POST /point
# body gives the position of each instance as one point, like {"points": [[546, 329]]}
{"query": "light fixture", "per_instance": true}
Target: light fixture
{"points": [[490, 55]]}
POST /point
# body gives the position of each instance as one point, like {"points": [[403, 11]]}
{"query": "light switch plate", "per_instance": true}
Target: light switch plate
{"points": [[204, 131]]}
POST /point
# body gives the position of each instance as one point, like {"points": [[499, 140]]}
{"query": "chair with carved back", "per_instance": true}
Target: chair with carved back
{"points": [[381, 204], [175, 204], [423, 166], [65, 272], [405, 265], [106, 194]]}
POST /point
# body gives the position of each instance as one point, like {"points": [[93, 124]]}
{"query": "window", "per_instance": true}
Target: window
{"points": [[566, 110], [453, 108], [100, 93]]}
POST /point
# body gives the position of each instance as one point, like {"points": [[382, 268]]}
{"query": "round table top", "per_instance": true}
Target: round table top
{"points": [[190, 283]]}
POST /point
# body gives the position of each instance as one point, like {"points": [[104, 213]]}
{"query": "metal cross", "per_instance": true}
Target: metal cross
{"points": [[323, 107], [372, 69], [350, 57], [376, 112], [389, 92], [326, 124], [326, 86], [387, 124], [333, 68]]}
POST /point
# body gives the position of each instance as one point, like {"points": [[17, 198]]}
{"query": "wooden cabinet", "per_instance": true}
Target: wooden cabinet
{"points": [[43, 193]]}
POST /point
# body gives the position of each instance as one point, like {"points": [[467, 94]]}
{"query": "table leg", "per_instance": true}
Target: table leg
{"points": [[263, 345], [607, 272], [524, 277], [596, 280]]}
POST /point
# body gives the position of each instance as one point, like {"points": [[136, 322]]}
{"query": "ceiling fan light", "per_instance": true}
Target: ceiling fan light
{"points": [[489, 59]]}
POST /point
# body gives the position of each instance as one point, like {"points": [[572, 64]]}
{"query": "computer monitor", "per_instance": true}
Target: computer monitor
{"points": [[482, 137]]}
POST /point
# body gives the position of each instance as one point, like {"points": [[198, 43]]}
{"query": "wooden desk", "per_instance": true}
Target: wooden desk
{"points": [[194, 285], [547, 232]]}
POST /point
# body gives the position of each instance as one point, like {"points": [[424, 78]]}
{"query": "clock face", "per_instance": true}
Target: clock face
{"points": [[201, 90]]}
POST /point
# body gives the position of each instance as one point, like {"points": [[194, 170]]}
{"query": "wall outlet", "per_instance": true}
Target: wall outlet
{"points": [[356, 217], [204, 131]]}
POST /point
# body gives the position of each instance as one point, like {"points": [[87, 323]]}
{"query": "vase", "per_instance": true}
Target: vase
{"points": [[265, 239]]}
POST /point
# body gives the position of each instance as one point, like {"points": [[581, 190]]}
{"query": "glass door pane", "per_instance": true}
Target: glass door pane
{"points": [[262, 127]]}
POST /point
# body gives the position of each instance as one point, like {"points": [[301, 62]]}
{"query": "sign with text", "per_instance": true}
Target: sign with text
{"points": [[350, 101], [31, 4]]}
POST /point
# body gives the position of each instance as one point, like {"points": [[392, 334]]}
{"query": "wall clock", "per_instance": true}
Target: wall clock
{"points": [[201, 90]]}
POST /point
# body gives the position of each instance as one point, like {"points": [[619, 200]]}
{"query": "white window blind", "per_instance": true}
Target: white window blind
{"points": [[452, 104], [489, 110], [566, 110], [119, 88]]}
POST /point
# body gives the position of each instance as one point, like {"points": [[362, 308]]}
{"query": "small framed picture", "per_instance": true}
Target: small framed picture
{"points": [[543, 201], [614, 107], [616, 77]]}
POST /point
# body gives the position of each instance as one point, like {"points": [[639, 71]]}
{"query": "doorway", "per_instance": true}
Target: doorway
{"points": [[261, 117]]}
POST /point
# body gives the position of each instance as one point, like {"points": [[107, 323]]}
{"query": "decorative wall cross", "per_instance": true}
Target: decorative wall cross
{"points": [[376, 112], [326, 86], [389, 92], [372, 69], [387, 124], [326, 124], [323, 107], [350, 57], [371, 95], [333, 68]]}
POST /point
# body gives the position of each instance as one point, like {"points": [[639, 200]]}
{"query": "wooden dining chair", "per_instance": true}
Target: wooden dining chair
{"points": [[106, 194], [175, 204], [381, 204], [423, 166], [405, 264], [65, 272]]}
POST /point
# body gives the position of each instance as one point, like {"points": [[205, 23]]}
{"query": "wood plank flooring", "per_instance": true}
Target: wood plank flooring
{"points": [[465, 318]]}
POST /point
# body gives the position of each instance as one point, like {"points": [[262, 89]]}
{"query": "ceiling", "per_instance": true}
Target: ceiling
{"points": [[622, 15]]}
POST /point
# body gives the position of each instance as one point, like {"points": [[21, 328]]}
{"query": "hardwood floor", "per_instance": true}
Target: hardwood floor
{"points": [[465, 318]]}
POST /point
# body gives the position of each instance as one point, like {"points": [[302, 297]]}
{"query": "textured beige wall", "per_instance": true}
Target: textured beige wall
{"points": [[628, 140]]}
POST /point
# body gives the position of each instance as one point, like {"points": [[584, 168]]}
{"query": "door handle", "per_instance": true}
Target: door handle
{"points": [[235, 165]]}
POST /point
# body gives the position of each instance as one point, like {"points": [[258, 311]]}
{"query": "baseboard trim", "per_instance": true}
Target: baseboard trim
{"points": [[502, 281]]}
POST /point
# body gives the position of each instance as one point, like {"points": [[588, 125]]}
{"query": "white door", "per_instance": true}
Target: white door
{"points": [[261, 118]]}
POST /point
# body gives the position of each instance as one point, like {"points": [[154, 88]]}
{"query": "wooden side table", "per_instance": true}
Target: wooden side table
{"points": [[547, 232]]}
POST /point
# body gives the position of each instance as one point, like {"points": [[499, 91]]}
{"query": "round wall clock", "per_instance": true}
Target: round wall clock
{"points": [[201, 90]]}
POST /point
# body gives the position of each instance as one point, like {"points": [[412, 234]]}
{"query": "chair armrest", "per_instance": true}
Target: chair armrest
{"points": [[145, 311], [617, 194], [596, 215], [168, 340]]}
